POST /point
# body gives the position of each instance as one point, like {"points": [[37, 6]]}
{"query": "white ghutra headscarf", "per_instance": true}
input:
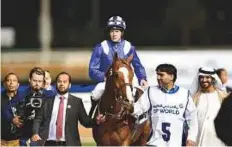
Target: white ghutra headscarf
{"points": [[205, 71]]}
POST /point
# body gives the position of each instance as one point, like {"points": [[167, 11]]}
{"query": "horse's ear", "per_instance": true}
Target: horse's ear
{"points": [[130, 58], [115, 56]]}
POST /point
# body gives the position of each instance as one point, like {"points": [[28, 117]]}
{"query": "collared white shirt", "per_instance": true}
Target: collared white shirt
{"points": [[52, 126]]}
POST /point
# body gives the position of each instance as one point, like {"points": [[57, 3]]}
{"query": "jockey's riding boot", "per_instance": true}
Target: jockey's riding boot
{"points": [[94, 104]]}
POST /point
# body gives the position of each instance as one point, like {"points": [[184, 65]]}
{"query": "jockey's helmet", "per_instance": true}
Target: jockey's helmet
{"points": [[116, 22]]}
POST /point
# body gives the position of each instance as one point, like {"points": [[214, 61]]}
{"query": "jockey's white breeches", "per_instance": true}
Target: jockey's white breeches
{"points": [[100, 88], [98, 91]]}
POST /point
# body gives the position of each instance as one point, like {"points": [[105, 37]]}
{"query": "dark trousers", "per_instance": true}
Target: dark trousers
{"points": [[55, 143], [25, 142]]}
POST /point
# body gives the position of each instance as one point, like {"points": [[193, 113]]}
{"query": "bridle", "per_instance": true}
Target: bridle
{"points": [[120, 98]]}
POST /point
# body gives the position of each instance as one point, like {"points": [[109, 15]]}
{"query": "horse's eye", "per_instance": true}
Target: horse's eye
{"points": [[116, 74]]}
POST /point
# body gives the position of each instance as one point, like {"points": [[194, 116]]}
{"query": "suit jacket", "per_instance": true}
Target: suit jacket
{"points": [[228, 89], [73, 114], [223, 121]]}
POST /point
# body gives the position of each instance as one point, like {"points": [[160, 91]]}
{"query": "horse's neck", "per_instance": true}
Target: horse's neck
{"points": [[108, 95], [109, 86], [109, 92]]}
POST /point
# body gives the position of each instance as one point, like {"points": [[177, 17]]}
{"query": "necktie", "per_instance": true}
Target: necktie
{"points": [[59, 121]]}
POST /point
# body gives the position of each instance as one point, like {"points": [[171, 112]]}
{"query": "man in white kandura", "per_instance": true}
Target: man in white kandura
{"points": [[208, 96]]}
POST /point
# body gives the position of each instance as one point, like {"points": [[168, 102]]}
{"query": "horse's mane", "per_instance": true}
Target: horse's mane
{"points": [[118, 62]]}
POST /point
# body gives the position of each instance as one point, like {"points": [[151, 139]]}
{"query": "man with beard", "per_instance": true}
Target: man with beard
{"points": [[208, 95], [9, 125], [57, 122], [24, 105]]}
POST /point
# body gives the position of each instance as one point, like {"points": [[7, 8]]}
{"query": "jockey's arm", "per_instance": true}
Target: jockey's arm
{"points": [[142, 105], [138, 67], [94, 66], [191, 117]]}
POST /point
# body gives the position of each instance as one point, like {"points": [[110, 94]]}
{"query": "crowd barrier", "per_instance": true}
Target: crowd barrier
{"points": [[76, 63]]}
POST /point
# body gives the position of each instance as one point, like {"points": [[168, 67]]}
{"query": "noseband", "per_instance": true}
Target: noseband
{"points": [[120, 98]]}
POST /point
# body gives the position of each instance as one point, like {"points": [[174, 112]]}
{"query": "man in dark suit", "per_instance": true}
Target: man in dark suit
{"points": [[57, 122], [223, 121], [223, 75]]}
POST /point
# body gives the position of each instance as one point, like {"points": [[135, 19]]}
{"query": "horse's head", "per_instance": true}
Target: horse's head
{"points": [[121, 74], [119, 79]]}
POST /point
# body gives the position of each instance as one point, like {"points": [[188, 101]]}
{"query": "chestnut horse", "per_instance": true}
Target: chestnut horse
{"points": [[120, 127]]}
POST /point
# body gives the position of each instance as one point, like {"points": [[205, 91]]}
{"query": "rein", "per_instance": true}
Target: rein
{"points": [[120, 98]]}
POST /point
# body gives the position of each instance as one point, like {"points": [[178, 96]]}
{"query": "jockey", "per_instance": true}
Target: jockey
{"points": [[102, 58]]}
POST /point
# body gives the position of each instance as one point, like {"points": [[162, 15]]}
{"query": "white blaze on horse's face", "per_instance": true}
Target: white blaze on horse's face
{"points": [[125, 72]]}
